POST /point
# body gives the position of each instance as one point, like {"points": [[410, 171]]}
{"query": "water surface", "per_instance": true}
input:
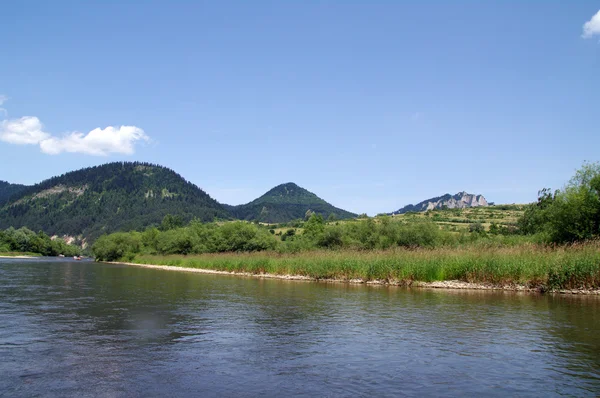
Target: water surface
{"points": [[82, 328]]}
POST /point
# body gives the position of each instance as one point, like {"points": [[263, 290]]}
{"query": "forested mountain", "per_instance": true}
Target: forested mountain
{"points": [[111, 197], [460, 200], [284, 203], [7, 190]]}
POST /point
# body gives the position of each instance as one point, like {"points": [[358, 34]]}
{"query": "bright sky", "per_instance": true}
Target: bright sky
{"points": [[371, 105]]}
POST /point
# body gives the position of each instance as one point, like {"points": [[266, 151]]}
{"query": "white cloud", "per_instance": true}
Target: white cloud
{"points": [[23, 131], [592, 27], [28, 130], [98, 142]]}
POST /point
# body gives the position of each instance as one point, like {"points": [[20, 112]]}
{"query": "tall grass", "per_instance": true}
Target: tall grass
{"points": [[536, 266]]}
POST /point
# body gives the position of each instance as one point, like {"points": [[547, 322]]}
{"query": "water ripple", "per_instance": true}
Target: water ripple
{"points": [[90, 329]]}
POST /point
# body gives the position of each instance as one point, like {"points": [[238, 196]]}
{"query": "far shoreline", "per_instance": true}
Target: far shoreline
{"points": [[446, 285]]}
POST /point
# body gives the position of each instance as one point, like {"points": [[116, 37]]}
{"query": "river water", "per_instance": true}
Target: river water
{"points": [[86, 329]]}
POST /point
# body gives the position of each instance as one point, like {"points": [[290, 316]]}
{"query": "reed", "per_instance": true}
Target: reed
{"points": [[536, 266]]}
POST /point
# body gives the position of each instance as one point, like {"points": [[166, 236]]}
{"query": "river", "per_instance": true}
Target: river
{"points": [[81, 328]]}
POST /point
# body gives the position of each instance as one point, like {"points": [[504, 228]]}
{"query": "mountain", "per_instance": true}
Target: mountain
{"points": [[7, 190], [460, 200], [111, 197], [284, 203]]}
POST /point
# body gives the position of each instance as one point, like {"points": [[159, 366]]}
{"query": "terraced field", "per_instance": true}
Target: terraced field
{"points": [[503, 216]]}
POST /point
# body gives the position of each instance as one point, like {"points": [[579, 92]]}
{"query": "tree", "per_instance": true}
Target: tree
{"points": [[314, 227], [171, 222], [569, 215], [477, 228]]}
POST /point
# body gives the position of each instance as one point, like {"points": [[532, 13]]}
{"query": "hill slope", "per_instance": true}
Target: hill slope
{"points": [[111, 197], [7, 190], [284, 203], [460, 201]]}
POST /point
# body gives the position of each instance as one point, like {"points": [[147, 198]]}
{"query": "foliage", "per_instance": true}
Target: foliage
{"points": [[287, 202], [568, 215], [534, 266], [120, 245], [241, 236], [477, 228], [8, 190], [25, 240], [118, 196], [195, 238]]}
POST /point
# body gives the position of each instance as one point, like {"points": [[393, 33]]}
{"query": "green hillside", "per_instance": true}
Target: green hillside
{"points": [[284, 203], [111, 197], [8, 190], [501, 218]]}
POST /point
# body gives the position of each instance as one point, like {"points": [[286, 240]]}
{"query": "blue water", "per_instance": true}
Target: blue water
{"points": [[85, 329]]}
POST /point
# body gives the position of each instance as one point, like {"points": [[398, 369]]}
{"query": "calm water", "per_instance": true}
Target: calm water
{"points": [[87, 329]]}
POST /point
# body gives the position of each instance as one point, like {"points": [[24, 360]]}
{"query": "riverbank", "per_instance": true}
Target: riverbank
{"points": [[452, 284], [18, 255], [573, 269]]}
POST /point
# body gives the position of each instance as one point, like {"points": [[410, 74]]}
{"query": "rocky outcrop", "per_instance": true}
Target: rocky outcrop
{"points": [[458, 201]]}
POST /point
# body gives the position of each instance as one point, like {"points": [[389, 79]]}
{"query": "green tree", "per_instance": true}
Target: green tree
{"points": [[171, 222], [117, 246], [314, 227], [571, 214]]}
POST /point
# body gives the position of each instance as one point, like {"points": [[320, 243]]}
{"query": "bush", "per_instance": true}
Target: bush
{"points": [[120, 245]]}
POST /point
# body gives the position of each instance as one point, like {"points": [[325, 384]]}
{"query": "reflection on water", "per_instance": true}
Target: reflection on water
{"points": [[76, 328]]}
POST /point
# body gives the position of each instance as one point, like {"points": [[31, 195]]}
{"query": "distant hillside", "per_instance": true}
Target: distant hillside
{"points": [[7, 190], [284, 203], [111, 197], [460, 200]]}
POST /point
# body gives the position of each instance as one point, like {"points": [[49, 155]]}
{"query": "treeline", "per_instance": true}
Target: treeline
{"points": [[565, 216], [119, 196], [239, 236], [286, 202], [26, 241], [568, 215], [8, 190]]}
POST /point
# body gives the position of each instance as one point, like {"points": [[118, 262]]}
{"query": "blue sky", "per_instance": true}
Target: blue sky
{"points": [[371, 105]]}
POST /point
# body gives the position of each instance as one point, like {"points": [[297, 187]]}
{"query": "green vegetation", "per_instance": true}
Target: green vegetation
{"points": [[19, 254], [8, 190], [568, 215], [112, 197], [535, 266], [501, 219], [549, 243], [381, 233], [24, 241], [386, 249], [125, 196], [498, 245], [284, 203], [239, 236]]}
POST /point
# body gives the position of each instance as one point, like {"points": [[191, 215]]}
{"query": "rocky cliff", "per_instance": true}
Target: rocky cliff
{"points": [[460, 201]]}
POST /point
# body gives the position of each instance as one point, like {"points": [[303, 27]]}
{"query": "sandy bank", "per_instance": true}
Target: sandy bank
{"points": [[17, 256], [426, 285]]}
